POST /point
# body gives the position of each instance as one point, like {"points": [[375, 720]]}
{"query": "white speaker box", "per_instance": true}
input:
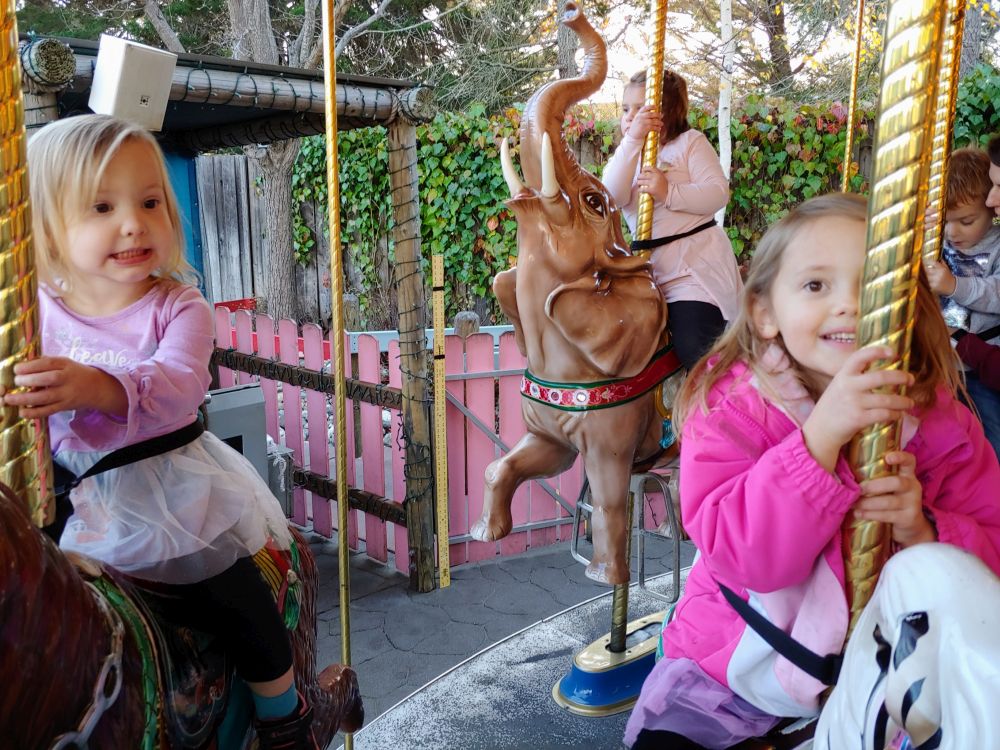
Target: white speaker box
{"points": [[132, 81]]}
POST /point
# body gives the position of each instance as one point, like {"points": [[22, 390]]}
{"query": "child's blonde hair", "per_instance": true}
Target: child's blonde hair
{"points": [[66, 161], [932, 360]]}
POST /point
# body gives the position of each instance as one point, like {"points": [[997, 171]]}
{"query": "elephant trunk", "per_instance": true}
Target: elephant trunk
{"points": [[546, 110]]}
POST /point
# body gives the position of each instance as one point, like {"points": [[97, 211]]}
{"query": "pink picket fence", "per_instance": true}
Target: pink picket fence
{"points": [[483, 420]]}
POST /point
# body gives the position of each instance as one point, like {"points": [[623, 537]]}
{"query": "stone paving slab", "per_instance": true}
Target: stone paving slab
{"points": [[401, 640]]}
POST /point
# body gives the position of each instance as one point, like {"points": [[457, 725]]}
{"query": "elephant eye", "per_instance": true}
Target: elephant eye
{"points": [[596, 203]]}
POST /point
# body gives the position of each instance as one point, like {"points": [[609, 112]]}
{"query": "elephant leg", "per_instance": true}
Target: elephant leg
{"points": [[609, 477], [533, 457]]}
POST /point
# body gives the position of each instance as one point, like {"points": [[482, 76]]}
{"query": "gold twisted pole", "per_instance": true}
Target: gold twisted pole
{"points": [[944, 118], [654, 98], [25, 462], [845, 180], [337, 333], [895, 216]]}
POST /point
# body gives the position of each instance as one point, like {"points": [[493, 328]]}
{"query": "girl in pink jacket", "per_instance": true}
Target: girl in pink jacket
{"points": [[765, 486]]}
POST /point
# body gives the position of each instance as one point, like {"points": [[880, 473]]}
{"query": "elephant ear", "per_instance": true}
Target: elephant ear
{"points": [[615, 321], [505, 289]]}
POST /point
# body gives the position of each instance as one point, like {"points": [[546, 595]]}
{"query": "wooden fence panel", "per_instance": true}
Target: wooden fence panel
{"points": [[288, 335], [265, 348], [511, 430], [458, 508], [373, 454], [480, 400], [401, 542], [319, 425], [244, 340], [224, 199], [224, 339]]}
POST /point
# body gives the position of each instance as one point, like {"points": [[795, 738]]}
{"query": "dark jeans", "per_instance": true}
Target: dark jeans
{"points": [[694, 327], [238, 607], [987, 402]]}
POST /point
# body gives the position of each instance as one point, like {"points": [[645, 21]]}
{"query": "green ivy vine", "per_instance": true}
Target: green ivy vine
{"points": [[782, 154]]}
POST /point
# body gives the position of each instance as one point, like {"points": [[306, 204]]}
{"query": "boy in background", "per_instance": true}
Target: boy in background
{"points": [[968, 275]]}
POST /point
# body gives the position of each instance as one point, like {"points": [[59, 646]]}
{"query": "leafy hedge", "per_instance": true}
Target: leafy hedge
{"points": [[782, 154]]}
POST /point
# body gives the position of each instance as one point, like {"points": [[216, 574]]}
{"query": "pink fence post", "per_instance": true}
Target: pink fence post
{"points": [[511, 430], [480, 400], [372, 446], [224, 340], [269, 388], [319, 425], [244, 341], [288, 335], [401, 542], [352, 453], [458, 508]]}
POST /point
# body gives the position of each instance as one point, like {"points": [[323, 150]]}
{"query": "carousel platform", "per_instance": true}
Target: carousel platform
{"points": [[473, 665]]}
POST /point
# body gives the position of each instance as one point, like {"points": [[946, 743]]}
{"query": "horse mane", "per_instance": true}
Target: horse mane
{"points": [[54, 635]]}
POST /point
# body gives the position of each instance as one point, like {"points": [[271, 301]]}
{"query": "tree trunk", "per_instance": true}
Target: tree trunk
{"points": [[567, 45], [276, 170], [726, 93], [773, 20], [972, 40]]}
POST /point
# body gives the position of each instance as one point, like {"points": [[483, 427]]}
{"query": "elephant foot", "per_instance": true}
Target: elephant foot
{"points": [[492, 527], [610, 573]]}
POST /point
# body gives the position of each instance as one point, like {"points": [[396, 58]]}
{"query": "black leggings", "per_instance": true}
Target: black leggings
{"points": [[694, 327], [238, 607]]}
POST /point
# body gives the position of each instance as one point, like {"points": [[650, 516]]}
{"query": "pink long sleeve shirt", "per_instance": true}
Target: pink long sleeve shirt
{"points": [[701, 267], [158, 348], [767, 517]]}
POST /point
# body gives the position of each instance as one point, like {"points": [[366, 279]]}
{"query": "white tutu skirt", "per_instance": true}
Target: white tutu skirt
{"points": [[179, 517]]}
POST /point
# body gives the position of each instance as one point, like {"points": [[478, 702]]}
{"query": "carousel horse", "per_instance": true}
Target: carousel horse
{"points": [[924, 658], [85, 664], [587, 317]]}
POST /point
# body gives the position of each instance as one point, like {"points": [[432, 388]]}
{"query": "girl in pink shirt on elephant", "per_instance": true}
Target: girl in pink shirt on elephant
{"points": [[766, 487], [127, 345], [692, 260]]}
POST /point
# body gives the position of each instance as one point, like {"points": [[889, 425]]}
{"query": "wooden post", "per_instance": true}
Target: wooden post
{"points": [[410, 288]]}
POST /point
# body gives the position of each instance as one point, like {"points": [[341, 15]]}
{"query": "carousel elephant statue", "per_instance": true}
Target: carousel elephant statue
{"points": [[923, 662], [85, 662], [588, 319]]}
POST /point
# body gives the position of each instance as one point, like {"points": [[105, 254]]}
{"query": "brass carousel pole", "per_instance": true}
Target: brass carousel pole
{"points": [[25, 461], [643, 231], [654, 98], [944, 116], [895, 217], [845, 180], [337, 334]]}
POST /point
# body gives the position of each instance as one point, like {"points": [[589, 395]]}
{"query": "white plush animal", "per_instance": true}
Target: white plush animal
{"points": [[924, 658]]}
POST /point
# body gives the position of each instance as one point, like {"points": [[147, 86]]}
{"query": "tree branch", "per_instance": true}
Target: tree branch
{"points": [[357, 29], [159, 22]]}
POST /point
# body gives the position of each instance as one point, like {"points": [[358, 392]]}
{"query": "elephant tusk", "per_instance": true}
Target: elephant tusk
{"points": [[509, 172], [550, 185]]}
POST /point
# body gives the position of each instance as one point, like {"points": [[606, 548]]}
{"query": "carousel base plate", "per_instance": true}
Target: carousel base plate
{"points": [[501, 698], [601, 682]]}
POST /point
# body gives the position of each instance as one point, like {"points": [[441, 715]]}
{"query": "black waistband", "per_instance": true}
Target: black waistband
{"points": [[660, 241], [129, 454]]}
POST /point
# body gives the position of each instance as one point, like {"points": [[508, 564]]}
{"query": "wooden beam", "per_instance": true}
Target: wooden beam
{"points": [[237, 89]]}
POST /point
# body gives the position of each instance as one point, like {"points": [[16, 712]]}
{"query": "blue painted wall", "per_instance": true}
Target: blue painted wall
{"points": [[184, 181]]}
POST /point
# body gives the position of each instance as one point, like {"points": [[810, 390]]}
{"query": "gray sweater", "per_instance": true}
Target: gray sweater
{"points": [[981, 294]]}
